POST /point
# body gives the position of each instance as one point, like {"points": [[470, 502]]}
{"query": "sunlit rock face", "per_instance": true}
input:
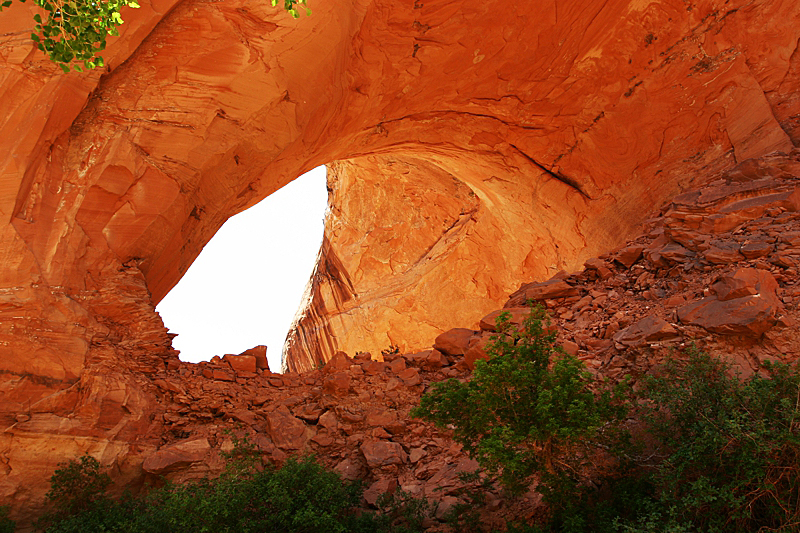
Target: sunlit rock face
{"points": [[511, 142], [475, 144]]}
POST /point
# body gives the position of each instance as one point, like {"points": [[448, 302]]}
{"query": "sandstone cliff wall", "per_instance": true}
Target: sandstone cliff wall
{"points": [[476, 144]]}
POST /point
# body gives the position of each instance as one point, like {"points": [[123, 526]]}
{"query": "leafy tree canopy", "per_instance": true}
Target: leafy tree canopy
{"points": [[73, 32]]}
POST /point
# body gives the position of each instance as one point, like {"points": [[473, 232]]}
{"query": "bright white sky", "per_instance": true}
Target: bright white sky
{"points": [[246, 286]]}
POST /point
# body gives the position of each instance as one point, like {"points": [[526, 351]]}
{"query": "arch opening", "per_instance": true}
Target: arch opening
{"points": [[244, 289]]}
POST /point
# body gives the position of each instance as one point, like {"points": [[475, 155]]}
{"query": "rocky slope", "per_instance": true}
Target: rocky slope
{"points": [[717, 266]]}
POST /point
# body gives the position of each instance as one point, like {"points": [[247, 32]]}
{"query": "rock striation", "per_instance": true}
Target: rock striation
{"points": [[622, 314], [471, 145]]}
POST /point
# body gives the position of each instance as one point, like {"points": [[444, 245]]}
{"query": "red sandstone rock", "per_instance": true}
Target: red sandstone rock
{"points": [[309, 412], [241, 363], [113, 183], [380, 453], [477, 350], [722, 255], [388, 420], [177, 455], [745, 304], [602, 268], [338, 363], [434, 360], [337, 384], [751, 315], [555, 288], [328, 421], [378, 489], [570, 347], [454, 341], [397, 365], [286, 431], [517, 316], [649, 329], [260, 353], [349, 469], [629, 255], [752, 250], [410, 377]]}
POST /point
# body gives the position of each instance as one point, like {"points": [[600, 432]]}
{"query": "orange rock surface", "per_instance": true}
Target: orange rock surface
{"points": [[616, 316], [473, 145]]}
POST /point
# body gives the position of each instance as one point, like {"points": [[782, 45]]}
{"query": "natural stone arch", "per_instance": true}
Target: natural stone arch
{"points": [[568, 121]]}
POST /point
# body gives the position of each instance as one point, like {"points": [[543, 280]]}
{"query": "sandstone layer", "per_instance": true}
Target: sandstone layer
{"points": [[622, 314], [473, 145]]}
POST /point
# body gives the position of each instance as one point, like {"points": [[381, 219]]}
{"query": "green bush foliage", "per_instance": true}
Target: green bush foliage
{"points": [[530, 409], [731, 447], [73, 32], [76, 486], [717, 454], [300, 497], [6, 524]]}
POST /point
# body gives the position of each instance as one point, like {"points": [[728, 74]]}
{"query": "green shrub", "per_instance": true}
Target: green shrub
{"points": [[6, 524], [731, 447], [530, 409], [77, 485], [403, 513], [723, 453], [301, 496]]}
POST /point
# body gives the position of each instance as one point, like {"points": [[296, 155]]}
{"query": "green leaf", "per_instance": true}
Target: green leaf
{"points": [[134, 5], [34, 38], [64, 67]]}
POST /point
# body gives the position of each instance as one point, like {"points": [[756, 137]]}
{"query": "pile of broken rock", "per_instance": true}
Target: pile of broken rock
{"points": [[717, 267]]}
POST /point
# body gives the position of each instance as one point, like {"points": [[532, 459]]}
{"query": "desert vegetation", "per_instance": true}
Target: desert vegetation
{"points": [[696, 448], [74, 33], [692, 447], [300, 496]]}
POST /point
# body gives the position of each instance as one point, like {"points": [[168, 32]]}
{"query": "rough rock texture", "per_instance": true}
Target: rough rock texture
{"points": [[607, 109], [621, 316], [474, 145]]}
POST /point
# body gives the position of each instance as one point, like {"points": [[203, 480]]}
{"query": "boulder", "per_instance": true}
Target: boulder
{"points": [[750, 316], [378, 489], [337, 384], [744, 303], [547, 290], [410, 376], [629, 255], [177, 455], [435, 360], [389, 420], [328, 421], [646, 330], [381, 453], [286, 431], [477, 350], [454, 341], [260, 353], [517, 317], [721, 256], [241, 363], [338, 363], [350, 469]]}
